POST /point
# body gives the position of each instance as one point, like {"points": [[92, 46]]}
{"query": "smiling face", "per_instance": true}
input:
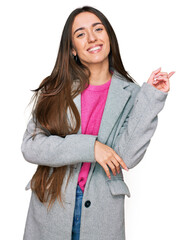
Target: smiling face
{"points": [[90, 39]]}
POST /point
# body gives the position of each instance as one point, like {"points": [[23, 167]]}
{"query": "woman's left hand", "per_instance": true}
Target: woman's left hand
{"points": [[160, 80]]}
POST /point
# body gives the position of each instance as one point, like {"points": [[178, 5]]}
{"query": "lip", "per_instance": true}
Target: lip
{"points": [[97, 45]]}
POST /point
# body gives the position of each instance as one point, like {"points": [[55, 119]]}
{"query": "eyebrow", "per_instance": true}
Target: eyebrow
{"points": [[82, 28]]}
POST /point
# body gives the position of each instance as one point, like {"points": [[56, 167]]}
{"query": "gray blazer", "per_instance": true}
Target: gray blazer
{"points": [[129, 121]]}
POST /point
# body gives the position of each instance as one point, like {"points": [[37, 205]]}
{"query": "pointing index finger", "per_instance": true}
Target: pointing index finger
{"points": [[170, 74]]}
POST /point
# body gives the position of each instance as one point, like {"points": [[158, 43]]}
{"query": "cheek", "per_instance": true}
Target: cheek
{"points": [[79, 45], [107, 41], [108, 46]]}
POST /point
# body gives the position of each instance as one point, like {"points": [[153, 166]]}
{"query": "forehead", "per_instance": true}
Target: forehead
{"points": [[84, 19]]}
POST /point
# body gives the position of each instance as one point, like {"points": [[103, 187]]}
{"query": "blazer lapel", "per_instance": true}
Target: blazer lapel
{"points": [[116, 100]]}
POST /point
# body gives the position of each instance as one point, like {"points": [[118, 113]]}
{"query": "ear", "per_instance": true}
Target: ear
{"points": [[74, 52]]}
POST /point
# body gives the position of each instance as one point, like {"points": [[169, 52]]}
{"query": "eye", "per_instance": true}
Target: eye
{"points": [[98, 29], [80, 35]]}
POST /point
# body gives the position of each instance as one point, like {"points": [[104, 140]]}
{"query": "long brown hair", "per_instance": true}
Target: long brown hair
{"points": [[55, 95]]}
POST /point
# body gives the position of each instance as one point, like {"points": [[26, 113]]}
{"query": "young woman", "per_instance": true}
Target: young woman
{"points": [[90, 120]]}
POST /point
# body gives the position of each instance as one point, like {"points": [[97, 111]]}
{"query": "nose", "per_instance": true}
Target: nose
{"points": [[92, 36]]}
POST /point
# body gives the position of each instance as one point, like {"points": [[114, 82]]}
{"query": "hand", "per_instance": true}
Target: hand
{"points": [[160, 80], [105, 155]]}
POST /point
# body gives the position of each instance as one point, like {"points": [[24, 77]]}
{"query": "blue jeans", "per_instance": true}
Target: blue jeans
{"points": [[77, 214]]}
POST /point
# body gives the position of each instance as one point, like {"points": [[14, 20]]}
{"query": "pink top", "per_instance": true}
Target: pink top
{"points": [[93, 101]]}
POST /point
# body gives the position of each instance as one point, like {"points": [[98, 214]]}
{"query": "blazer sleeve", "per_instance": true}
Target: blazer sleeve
{"points": [[55, 151], [137, 130]]}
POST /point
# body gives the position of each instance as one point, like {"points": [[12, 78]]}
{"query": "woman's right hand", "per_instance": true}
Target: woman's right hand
{"points": [[105, 155]]}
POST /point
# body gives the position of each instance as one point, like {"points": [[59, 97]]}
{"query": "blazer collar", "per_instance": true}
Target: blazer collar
{"points": [[116, 100]]}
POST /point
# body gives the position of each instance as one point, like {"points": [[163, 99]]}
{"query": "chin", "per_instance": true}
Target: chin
{"points": [[97, 60]]}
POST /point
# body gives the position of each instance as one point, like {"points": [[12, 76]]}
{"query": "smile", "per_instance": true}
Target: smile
{"points": [[95, 49]]}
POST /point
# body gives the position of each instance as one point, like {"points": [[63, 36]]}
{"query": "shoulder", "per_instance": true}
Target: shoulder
{"points": [[128, 85], [133, 86]]}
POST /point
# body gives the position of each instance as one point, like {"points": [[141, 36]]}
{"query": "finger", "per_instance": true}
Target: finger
{"points": [[112, 167], [161, 74], [159, 79], [117, 165], [120, 160], [164, 74], [156, 71], [150, 80], [170, 74], [162, 85], [107, 171]]}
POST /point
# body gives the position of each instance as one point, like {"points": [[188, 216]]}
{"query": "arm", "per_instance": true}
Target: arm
{"points": [[55, 151], [140, 125]]}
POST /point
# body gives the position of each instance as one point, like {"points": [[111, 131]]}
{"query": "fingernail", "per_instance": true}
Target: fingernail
{"points": [[157, 69], [109, 177], [127, 169]]}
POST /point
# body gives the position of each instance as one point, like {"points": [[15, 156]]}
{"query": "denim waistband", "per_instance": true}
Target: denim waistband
{"points": [[79, 191]]}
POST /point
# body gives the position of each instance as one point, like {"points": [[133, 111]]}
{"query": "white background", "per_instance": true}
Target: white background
{"points": [[151, 34]]}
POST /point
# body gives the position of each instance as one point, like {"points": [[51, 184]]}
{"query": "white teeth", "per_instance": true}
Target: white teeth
{"points": [[94, 49]]}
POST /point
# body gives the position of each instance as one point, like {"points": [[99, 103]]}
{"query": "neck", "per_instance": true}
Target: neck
{"points": [[100, 74]]}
